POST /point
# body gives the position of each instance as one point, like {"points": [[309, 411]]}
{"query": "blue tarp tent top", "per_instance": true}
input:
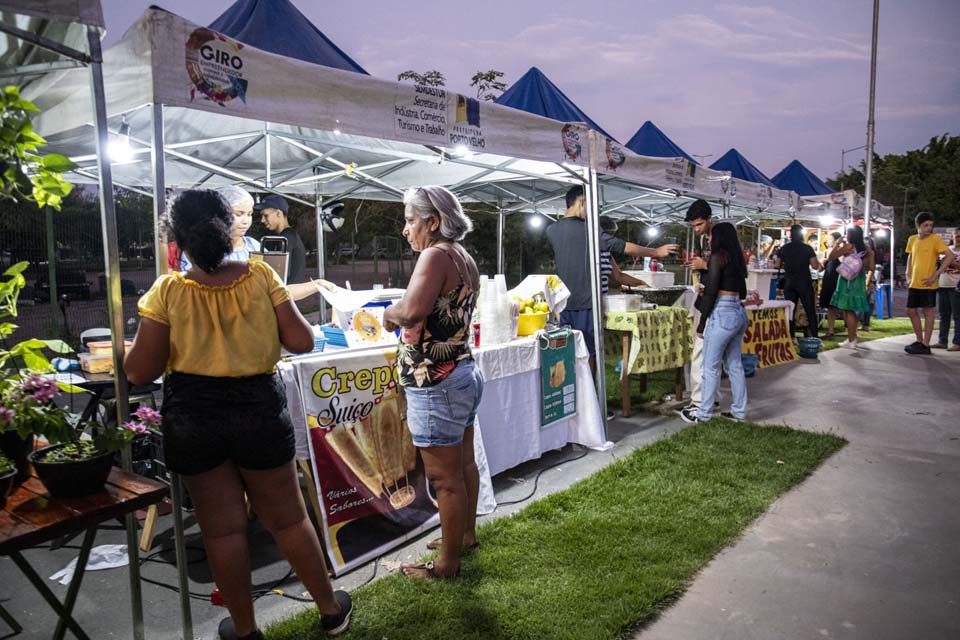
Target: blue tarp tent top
{"points": [[278, 27], [741, 168], [649, 140], [796, 177], [534, 93]]}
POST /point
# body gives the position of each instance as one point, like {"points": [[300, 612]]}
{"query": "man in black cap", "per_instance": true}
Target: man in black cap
{"points": [[273, 213]]}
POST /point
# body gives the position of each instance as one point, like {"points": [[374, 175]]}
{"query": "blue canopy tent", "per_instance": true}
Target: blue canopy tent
{"points": [[741, 168], [278, 27], [796, 177], [649, 140], [535, 93]]}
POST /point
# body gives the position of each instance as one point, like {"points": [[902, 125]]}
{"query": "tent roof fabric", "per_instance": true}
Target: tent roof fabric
{"points": [[86, 12], [649, 140], [278, 27], [741, 168], [796, 177], [535, 93]]}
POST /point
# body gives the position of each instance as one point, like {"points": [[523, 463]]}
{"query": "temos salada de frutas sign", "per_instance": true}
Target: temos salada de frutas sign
{"points": [[768, 336]]}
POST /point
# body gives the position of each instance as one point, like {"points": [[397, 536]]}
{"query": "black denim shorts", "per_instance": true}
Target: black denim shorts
{"points": [[207, 421]]}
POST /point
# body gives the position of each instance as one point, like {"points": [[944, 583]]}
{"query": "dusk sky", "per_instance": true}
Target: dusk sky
{"points": [[777, 80]]}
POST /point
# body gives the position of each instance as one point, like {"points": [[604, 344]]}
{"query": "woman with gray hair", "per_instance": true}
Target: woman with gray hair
{"points": [[436, 369], [241, 246]]}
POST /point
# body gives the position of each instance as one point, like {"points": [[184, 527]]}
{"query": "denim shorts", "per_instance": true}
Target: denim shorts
{"points": [[437, 415]]}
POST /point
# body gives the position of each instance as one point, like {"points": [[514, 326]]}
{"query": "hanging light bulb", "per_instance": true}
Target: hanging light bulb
{"points": [[535, 221], [653, 232], [119, 149]]}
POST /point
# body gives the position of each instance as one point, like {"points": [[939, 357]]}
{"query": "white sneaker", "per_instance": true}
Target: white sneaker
{"points": [[846, 344]]}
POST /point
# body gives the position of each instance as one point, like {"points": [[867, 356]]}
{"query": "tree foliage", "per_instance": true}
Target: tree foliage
{"points": [[432, 78], [926, 179], [488, 84], [25, 174]]}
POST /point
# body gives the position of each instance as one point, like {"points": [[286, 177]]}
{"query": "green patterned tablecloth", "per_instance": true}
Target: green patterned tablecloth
{"points": [[661, 338]]}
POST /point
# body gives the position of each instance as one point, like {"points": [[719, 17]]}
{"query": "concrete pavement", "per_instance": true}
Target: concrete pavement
{"points": [[867, 547]]}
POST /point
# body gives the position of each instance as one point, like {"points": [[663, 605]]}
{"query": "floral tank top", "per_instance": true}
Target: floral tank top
{"points": [[429, 352]]}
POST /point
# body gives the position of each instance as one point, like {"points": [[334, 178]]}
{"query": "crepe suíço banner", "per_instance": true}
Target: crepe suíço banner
{"points": [[372, 487], [768, 336]]}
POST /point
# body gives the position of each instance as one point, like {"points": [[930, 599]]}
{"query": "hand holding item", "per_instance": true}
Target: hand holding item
{"points": [[666, 250], [697, 263], [320, 283], [388, 325]]}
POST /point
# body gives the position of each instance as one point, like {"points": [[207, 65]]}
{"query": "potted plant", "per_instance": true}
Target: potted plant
{"points": [[7, 473], [79, 458]]}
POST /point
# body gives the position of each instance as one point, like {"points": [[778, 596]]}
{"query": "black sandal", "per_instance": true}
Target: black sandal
{"points": [[424, 571]]}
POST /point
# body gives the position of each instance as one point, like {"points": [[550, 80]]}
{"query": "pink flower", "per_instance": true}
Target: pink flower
{"points": [[137, 427], [151, 417], [6, 415]]}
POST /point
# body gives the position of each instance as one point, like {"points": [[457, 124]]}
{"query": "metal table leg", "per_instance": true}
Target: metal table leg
{"points": [[48, 595], [74, 587], [6, 616]]}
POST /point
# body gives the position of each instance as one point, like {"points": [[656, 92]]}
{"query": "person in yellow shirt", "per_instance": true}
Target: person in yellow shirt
{"points": [[214, 333], [923, 250]]}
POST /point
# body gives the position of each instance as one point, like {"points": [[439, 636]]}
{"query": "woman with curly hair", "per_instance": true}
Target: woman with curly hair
{"points": [[215, 333]]}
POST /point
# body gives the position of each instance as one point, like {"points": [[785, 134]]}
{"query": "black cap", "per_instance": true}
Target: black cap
{"points": [[699, 209], [271, 201]]}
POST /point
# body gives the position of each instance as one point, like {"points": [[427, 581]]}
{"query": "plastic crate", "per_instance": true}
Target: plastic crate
{"points": [[334, 335]]}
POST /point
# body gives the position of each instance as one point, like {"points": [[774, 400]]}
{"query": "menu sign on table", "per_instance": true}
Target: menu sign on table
{"points": [[558, 377]]}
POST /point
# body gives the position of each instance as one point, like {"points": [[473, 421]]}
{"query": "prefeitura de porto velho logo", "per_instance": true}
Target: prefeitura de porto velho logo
{"points": [[215, 67]]}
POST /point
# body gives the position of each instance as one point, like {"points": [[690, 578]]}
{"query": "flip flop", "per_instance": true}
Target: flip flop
{"points": [[424, 571], [437, 542]]}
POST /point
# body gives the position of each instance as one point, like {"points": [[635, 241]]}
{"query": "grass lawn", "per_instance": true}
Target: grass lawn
{"points": [[603, 556], [658, 385], [878, 329]]}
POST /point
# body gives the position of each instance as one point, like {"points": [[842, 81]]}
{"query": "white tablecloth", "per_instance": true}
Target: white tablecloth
{"points": [[509, 413]]}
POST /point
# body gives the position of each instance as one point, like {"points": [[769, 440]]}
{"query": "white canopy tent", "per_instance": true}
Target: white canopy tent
{"points": [[203, 109]]}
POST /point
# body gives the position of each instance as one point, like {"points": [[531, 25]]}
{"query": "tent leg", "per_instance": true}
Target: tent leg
{"points": [[501, 220], [321, 247], [159, 191], [108, 214], [592, 201]]}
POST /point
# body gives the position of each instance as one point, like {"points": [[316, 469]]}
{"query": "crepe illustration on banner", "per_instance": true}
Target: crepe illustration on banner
{"points": [[379, 450]]}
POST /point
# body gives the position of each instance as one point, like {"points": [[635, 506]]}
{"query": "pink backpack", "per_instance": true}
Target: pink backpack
{"points": [[851, 266]]}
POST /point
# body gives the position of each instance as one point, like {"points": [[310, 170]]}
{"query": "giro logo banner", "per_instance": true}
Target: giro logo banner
{"points": [[215, 67]]}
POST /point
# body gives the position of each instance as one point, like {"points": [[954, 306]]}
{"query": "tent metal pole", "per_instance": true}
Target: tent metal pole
{"points": [[868, 187], [893, 263], [267, 146], [108, 215], [321, 246], [592, 202], [501, 224], [160, 239]]}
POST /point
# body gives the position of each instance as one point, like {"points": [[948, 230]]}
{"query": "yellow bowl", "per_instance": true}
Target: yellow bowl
{"points": [[530, 323]]}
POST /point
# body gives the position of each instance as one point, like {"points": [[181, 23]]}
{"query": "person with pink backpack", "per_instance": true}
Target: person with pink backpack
{"points": [[856, 270]]}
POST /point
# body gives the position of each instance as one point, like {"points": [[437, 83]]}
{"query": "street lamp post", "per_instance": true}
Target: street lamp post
{"points": [[843, 166]]}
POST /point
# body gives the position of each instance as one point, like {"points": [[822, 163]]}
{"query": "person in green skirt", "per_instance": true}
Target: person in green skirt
{"points": [[851, 295]]}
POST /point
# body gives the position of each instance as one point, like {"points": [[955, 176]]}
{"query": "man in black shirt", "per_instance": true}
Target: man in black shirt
{"points": [[273, 213], [568, 237], [700, 218], [797, 258]]}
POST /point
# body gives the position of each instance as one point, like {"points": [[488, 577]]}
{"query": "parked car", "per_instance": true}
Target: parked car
{"points": [[345, 250], [71, 281]]}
